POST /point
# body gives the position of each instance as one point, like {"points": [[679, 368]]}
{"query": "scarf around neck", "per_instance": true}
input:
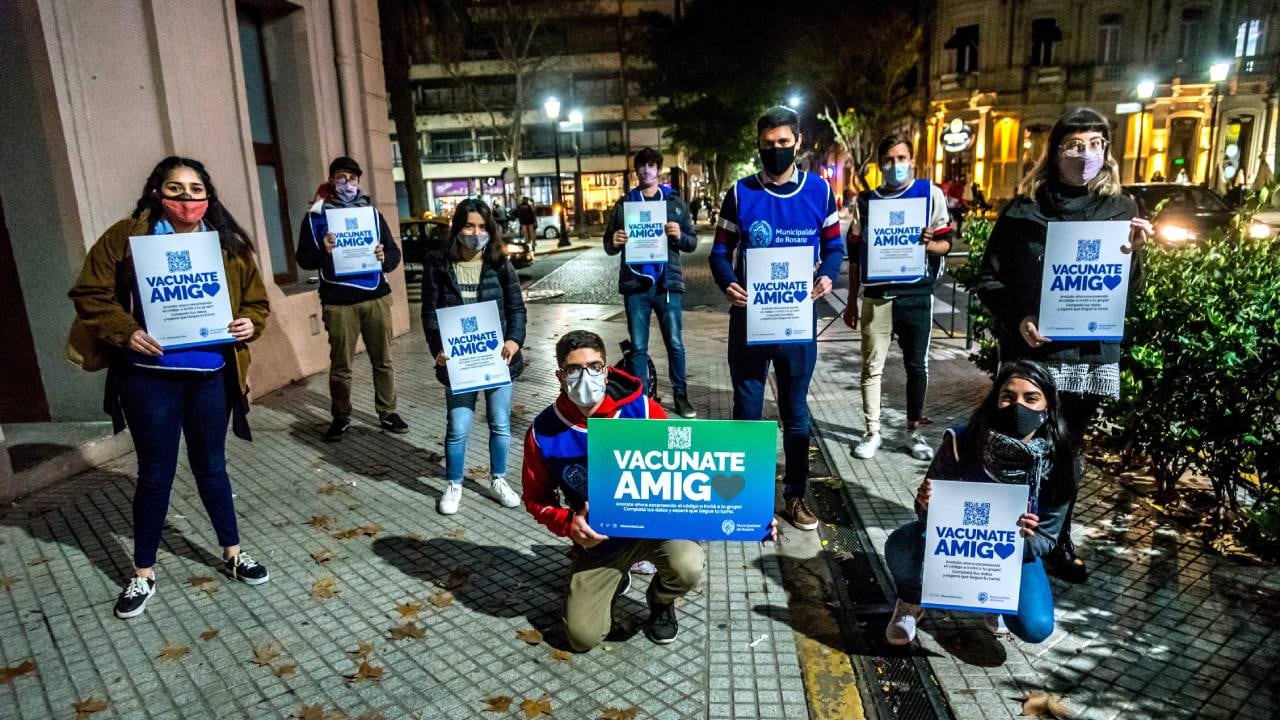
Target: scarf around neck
{"points": [[1017, 462]]}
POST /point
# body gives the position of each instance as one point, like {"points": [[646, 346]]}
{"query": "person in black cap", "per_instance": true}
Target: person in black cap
{"points": [[354, 306]]}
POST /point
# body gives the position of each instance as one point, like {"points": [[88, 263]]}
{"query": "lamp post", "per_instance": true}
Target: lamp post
{"points": [[1217, 75], [575, 124], [1146, 89], [552, 107]]}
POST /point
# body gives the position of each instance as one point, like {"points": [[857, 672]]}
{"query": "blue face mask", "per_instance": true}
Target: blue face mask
{"points": [[897, 174]]}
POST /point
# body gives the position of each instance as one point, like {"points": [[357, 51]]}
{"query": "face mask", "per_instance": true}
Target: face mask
{"points": [[474, 243], [588, 390], [346, 191], [648, 176], [776, 160], [1018, 420], [897, 174], [184, 211], [1078, 170]]}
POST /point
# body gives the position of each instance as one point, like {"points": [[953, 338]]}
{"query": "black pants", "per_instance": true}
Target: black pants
{"points": [[1077, 412], [913, 324]]}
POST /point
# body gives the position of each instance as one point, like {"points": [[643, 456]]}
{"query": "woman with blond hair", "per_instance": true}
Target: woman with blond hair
{"points": [[1077, 179]]}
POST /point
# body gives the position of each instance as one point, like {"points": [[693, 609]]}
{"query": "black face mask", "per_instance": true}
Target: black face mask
{"points": [[1018, 420], [776, 160]]}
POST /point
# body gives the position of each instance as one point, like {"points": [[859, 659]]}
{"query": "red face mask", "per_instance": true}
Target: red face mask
{"points": [[184, 212]]}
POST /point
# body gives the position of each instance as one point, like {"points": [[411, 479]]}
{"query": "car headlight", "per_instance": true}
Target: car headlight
{"points": [[513, 249], [1175, 234], [1259, 230]]}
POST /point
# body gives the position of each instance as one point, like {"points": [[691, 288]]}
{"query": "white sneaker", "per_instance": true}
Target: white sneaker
{"points": [[995, 623], [901, 629], [504, 493], [866, 449], [918, 448], [450, 499]]}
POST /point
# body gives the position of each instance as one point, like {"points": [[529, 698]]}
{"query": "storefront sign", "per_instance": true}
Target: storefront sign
{"points": [[448, 188], [957, 136]]}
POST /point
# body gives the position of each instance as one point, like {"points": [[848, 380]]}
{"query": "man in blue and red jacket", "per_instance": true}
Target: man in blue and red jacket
{"points": [[782, 206], [555, 469]]}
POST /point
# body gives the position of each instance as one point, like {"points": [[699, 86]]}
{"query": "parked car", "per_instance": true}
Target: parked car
{"points": [[420, 236], [548, 222], [1192, 211], [1266, 222]]}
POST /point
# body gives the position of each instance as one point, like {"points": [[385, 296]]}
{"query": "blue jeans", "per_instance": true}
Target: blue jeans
{"points": [[160, 409], [668, 306], [904, 553], [462, 410], [793, 365]]}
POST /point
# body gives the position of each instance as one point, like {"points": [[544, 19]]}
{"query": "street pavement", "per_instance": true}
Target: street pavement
{"points": [[356, 550]]}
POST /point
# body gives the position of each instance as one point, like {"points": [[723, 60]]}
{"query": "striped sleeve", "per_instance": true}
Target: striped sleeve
{"points": [[831, 245], [726, 241]]}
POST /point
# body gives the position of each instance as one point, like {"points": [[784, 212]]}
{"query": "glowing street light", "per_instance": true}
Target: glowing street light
{"points": [[1218, 72], [552, 106], [1146, 88], [1217, 75], [794, 101]]}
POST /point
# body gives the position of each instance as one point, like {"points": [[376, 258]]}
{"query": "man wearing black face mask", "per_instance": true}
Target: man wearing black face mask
{"points": [[782, 206], [354, 306]]}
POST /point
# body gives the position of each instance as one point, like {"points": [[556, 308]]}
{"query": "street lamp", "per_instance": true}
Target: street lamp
{"points": [[575, 125], [552, 106], [794, 101], [1146, 88], [1217, 75]]}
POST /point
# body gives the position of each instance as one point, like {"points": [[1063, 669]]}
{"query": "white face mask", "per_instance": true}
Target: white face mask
{"points": [[587, 390], [648, 175]]}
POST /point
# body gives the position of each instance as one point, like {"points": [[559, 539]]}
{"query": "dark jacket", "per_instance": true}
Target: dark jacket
{"points": [[672, 278], [311, 255], [947, 465], [499, 283], [524, 213], [1010, 275]]}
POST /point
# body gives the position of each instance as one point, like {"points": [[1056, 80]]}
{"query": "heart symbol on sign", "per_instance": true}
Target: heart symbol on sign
{"points": [[1111, 281], [728, 486], [800, 295], [1004, 550], [492, 344], [210, 289]]}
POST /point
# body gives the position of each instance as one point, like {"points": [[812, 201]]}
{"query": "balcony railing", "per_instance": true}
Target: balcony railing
{"points": [[957, 81]]}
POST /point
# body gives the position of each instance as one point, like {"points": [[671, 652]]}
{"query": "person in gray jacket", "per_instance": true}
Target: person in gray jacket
{"points": [[657, 287]]}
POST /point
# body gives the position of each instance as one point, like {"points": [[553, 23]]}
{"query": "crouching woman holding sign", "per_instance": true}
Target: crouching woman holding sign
{"points": [[149, 298], [1017, 436]]}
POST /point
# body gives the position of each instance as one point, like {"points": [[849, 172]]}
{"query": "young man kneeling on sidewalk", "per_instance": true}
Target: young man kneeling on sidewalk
{"points": [[555, 465]]}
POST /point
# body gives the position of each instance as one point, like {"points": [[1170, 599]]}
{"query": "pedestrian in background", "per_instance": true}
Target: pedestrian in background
{"points": [[165, 395], [902, 308], [655, 288], [354, 307], [528, 223], [474, 269], [1076, 179]]}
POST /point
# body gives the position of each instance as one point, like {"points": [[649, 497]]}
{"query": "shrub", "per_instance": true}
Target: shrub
{"points": [[974, 233]]}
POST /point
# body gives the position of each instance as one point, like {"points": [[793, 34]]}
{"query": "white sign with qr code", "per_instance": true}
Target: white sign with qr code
{"points": [[973, 550], [646, 236]]}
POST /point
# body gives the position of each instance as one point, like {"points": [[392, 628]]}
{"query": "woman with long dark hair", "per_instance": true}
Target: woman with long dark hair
{"points": [[474, 268], [1017, 435], [1076, 179], [163, 395]]}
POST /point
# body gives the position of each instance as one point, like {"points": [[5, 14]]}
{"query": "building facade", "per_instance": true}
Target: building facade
{"points": [[264, 92], [1001, 73], [590, 72]]}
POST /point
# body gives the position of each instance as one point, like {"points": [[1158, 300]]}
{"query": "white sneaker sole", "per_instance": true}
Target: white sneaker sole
{"points": [[139, 610], [899, 642], [447, 510], [656, 641], [252, 581], [509, 501]]}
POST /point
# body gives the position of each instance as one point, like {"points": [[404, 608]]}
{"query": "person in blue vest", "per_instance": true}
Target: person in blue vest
{"points": [[354, 307], [901, 306], [655, 287], [1018, 435], [780, 206]]}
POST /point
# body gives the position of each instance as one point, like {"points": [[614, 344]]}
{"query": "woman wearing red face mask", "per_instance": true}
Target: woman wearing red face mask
{"points": [[162, 394]]}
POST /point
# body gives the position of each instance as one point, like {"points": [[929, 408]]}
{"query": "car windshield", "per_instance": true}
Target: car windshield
{"points": [[1193, 199]]}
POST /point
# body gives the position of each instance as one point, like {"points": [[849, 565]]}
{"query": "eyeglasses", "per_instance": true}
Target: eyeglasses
{"points": [[573, 372], [346, 178], [1078, 147]]}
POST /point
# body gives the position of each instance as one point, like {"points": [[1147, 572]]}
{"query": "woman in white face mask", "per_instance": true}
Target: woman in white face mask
{"points": [[474, 269], [1076, 179]]}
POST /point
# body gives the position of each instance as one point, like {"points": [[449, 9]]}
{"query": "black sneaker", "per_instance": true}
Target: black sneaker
{"points": [[1062, 562], [336, 430], [246, 569], [661, 627], [684, 408], [133, 598], [393, 423]]}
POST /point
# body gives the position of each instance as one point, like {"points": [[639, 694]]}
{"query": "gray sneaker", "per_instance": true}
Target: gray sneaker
{"points": [[918, 448], [866, 449]]}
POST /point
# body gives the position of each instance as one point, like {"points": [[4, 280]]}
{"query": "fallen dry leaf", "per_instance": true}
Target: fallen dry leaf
{"points": [[366, 530], [500, 703], [173, 652], [282, 670], [325, 587], [362, 652], [529, 635], [208, 635], [416, 537], [322, 556], [7, 674], [458, 577], [619, 714], [85, 708], [320, 522], [535, 708], [264, 655], [407, 631], [409, 611], [7, 581], [375, 469], [366, 672], [456, 534], [518, 410], [561, 656], [333, 488], [441, 600], [370, 715], [1040, 704], [477, 473], [203, 583], [310, 712]]}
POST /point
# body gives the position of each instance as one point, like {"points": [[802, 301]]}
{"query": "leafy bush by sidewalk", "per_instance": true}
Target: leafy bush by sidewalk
{"points": [[975, 233]]}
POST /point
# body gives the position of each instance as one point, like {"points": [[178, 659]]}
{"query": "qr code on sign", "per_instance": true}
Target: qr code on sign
{"points": [[470, 325], [352, 223], [680, 438], [779, 271], [897, 217], [646, 216], [976, 513], [179, 260], [1088, 250]]}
